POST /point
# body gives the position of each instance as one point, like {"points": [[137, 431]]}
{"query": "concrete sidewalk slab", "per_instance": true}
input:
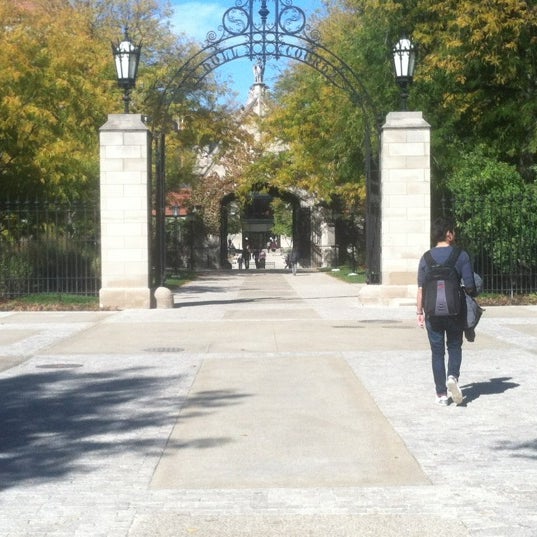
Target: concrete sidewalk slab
{"points": [[13, 336], [298, 421], [249, 331]]}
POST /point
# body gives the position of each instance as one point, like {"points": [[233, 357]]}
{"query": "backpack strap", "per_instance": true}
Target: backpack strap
{"points": [[450, 262], [453, 257], [429, 259]]}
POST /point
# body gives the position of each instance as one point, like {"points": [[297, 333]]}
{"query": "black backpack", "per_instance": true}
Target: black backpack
{"points": [[442, 291]]}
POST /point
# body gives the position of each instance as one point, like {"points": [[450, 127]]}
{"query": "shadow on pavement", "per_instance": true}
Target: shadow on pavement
{"points": [[211, 302], [53, 423], [493, 386], [497, 386], [524, 450]]}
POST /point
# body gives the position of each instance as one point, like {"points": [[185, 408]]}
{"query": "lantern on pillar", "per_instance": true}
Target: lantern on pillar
{"points": [[127, 58], [404, 62]]}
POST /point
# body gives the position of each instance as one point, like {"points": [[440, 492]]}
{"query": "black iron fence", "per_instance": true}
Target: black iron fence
{"points": [[188, 247], [49, 247], [500, 234], [54, 247]]}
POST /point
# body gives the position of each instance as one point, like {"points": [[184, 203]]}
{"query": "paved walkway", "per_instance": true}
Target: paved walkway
{"points": [[262, 405]]}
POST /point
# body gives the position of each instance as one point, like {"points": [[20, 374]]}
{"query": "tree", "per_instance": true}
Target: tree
{"points": [[57, 85], [493, 206], [283, 218], [53, 94], [477, 78], [235, 155], [327, 133]]}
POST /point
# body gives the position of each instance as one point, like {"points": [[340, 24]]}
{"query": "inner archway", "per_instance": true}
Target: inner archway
{"points": [[266, 220]]}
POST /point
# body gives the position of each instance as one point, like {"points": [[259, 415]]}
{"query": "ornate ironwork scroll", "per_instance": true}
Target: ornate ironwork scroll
{"points": [[261, 31], [264, 31]]}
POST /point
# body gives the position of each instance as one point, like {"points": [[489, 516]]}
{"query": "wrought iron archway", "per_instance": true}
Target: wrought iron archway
{"points": [[261, 34]]}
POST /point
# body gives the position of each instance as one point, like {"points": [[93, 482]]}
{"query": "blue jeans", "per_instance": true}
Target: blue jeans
{"points": [[445, 332]]}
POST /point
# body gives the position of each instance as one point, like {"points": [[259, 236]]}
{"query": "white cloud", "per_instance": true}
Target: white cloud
{"points": [[196, 19]]}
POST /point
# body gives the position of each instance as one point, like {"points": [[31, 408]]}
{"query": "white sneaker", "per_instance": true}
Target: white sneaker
{"points": [[454, 390], [442, 400]]}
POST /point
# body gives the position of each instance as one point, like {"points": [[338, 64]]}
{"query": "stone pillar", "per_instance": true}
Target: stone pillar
{"points": [[125, 160], [406, 206]]}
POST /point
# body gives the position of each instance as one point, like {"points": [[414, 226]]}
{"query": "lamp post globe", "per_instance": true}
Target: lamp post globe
{"points": [[126, 58], [404, 63]]}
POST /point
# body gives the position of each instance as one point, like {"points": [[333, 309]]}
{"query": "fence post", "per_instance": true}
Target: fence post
{"points": [[125, 158]]}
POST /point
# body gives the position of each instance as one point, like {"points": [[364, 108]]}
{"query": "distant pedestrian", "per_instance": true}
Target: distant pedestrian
{"points": [[293, 260], [256, 258], [246, 255], [262, 259]]}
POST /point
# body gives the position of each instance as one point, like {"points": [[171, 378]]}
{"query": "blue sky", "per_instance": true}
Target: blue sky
{"points": [[196, 18]]}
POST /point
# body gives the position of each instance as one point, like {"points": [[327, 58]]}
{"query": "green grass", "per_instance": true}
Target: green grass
{"points": [[51, 302], [493, 299], [346, 274], [176, 280]]}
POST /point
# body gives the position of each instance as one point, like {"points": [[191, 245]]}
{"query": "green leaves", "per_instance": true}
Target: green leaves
{"points": [[479, 72], [475, 82], [57, 86]]}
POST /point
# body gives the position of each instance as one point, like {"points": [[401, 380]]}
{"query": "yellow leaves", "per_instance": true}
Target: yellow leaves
{"points": [[353, 193], [51, 99], [474, 44]]}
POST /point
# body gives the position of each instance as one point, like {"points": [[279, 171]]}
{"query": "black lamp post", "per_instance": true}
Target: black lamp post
{"points": [[404, 62], [127, 57]]}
